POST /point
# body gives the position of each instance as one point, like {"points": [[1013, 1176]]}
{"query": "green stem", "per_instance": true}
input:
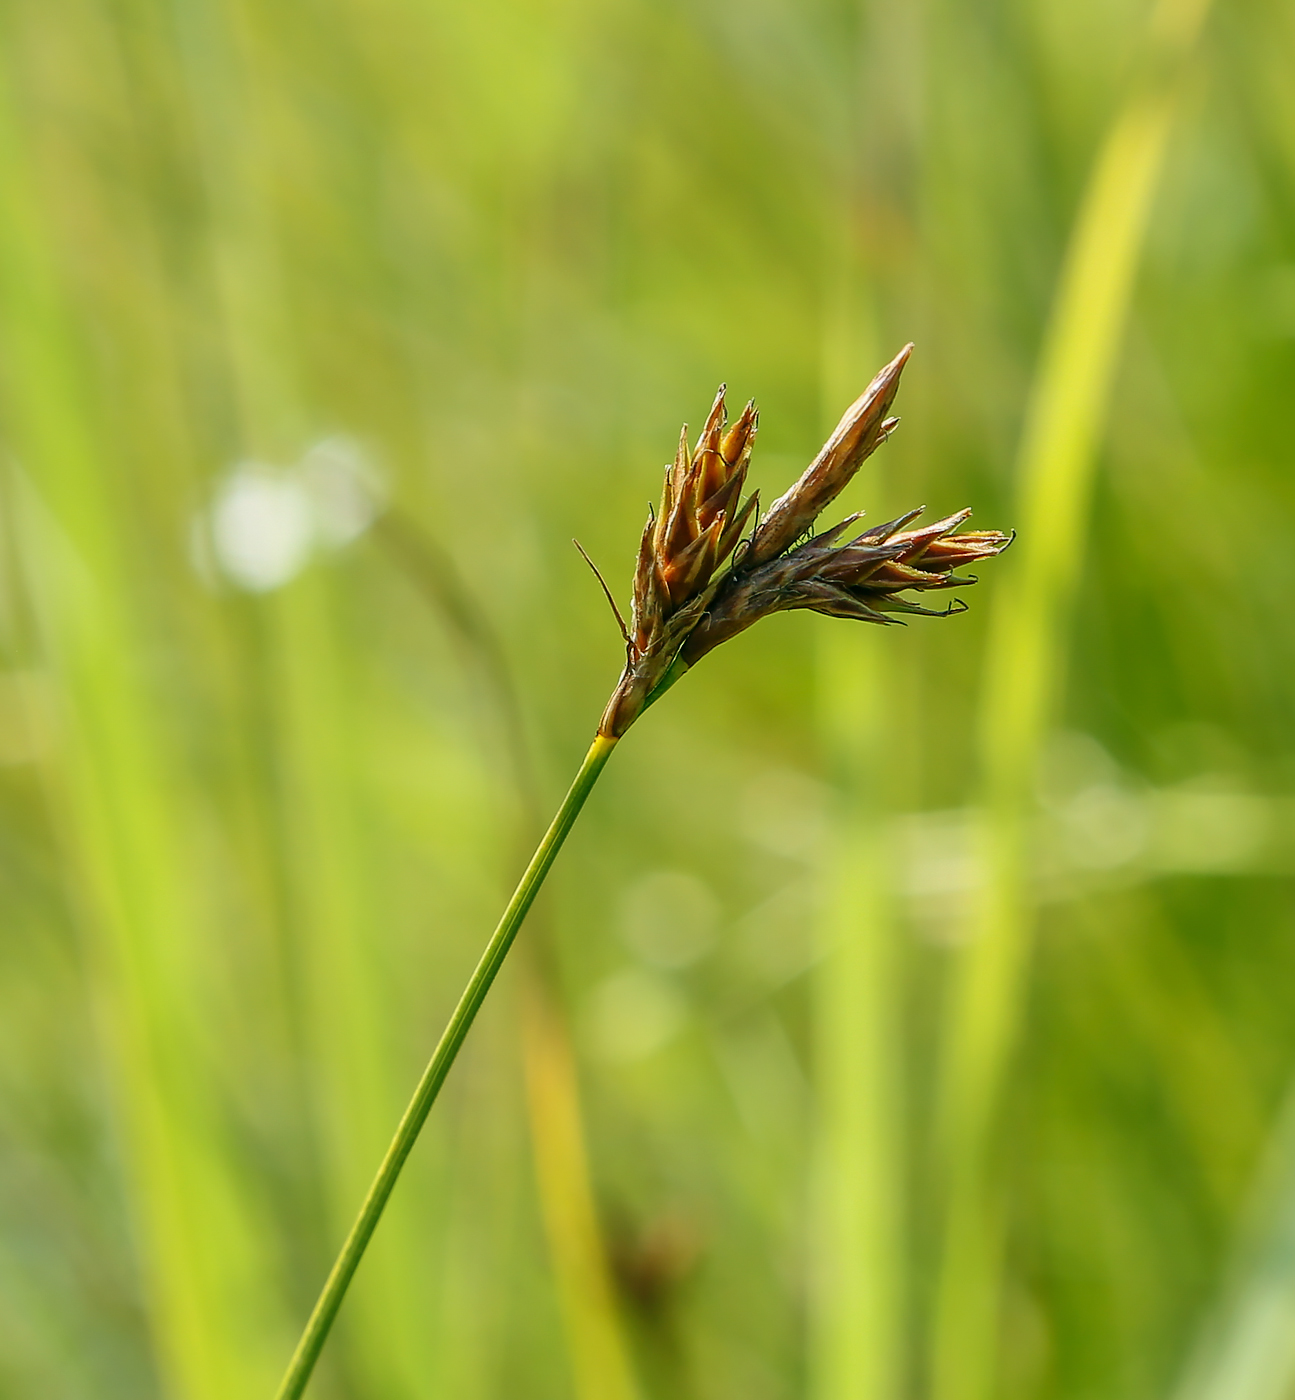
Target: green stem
{"points": [[330, 1299]]}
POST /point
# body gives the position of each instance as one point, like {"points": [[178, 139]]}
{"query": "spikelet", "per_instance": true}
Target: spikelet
{"points": [[863, 578], [864, 426], [685, 542]]}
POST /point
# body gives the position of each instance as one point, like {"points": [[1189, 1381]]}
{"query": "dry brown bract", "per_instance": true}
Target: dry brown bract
{"points": [[686, 603]]}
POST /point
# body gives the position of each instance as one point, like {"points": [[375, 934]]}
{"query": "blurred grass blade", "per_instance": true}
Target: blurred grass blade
{"points": [[124, 815], [1023, 664], [1247, 1350], [330, 886], [596, 1339], [857, 1339], [859, 1317]]}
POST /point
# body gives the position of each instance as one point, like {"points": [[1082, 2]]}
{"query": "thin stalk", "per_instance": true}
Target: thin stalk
{"points": [[330, 1299], [599, 1354]]}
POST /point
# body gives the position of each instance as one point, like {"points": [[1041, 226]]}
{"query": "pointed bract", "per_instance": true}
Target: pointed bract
{"points": [[862, 429]]}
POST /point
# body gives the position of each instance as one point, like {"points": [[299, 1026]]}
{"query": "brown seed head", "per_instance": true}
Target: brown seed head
{"points": [[686, 604]]}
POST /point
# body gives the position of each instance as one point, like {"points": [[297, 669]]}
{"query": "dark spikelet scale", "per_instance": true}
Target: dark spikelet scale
{"points": [[686, 601], [683, 548]]}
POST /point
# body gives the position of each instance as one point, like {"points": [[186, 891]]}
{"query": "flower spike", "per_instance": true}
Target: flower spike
{"points": [[686, 602]]}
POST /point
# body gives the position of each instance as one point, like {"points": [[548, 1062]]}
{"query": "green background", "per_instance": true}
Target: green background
{"points": [[930, 992]]}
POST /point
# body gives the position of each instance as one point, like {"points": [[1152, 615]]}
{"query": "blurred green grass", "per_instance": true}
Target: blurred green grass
{"points": [[251, 841]]}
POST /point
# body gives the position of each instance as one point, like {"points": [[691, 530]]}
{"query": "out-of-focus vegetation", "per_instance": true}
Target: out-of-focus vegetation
{"points": [[915, 1005]]}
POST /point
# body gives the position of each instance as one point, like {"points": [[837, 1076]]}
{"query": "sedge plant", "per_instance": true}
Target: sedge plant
{"points": [[700, 579]]}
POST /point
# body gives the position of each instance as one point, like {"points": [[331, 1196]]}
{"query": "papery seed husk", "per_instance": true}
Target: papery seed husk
{"points": [[862, 429]]}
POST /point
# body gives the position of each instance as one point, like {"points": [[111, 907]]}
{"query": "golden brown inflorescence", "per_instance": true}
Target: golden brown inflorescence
{"points": [[686, 603]]}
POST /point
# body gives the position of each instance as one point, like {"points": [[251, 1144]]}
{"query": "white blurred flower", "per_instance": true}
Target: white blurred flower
{"points": [[346, 491], [264, 522], [261, 525]]}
